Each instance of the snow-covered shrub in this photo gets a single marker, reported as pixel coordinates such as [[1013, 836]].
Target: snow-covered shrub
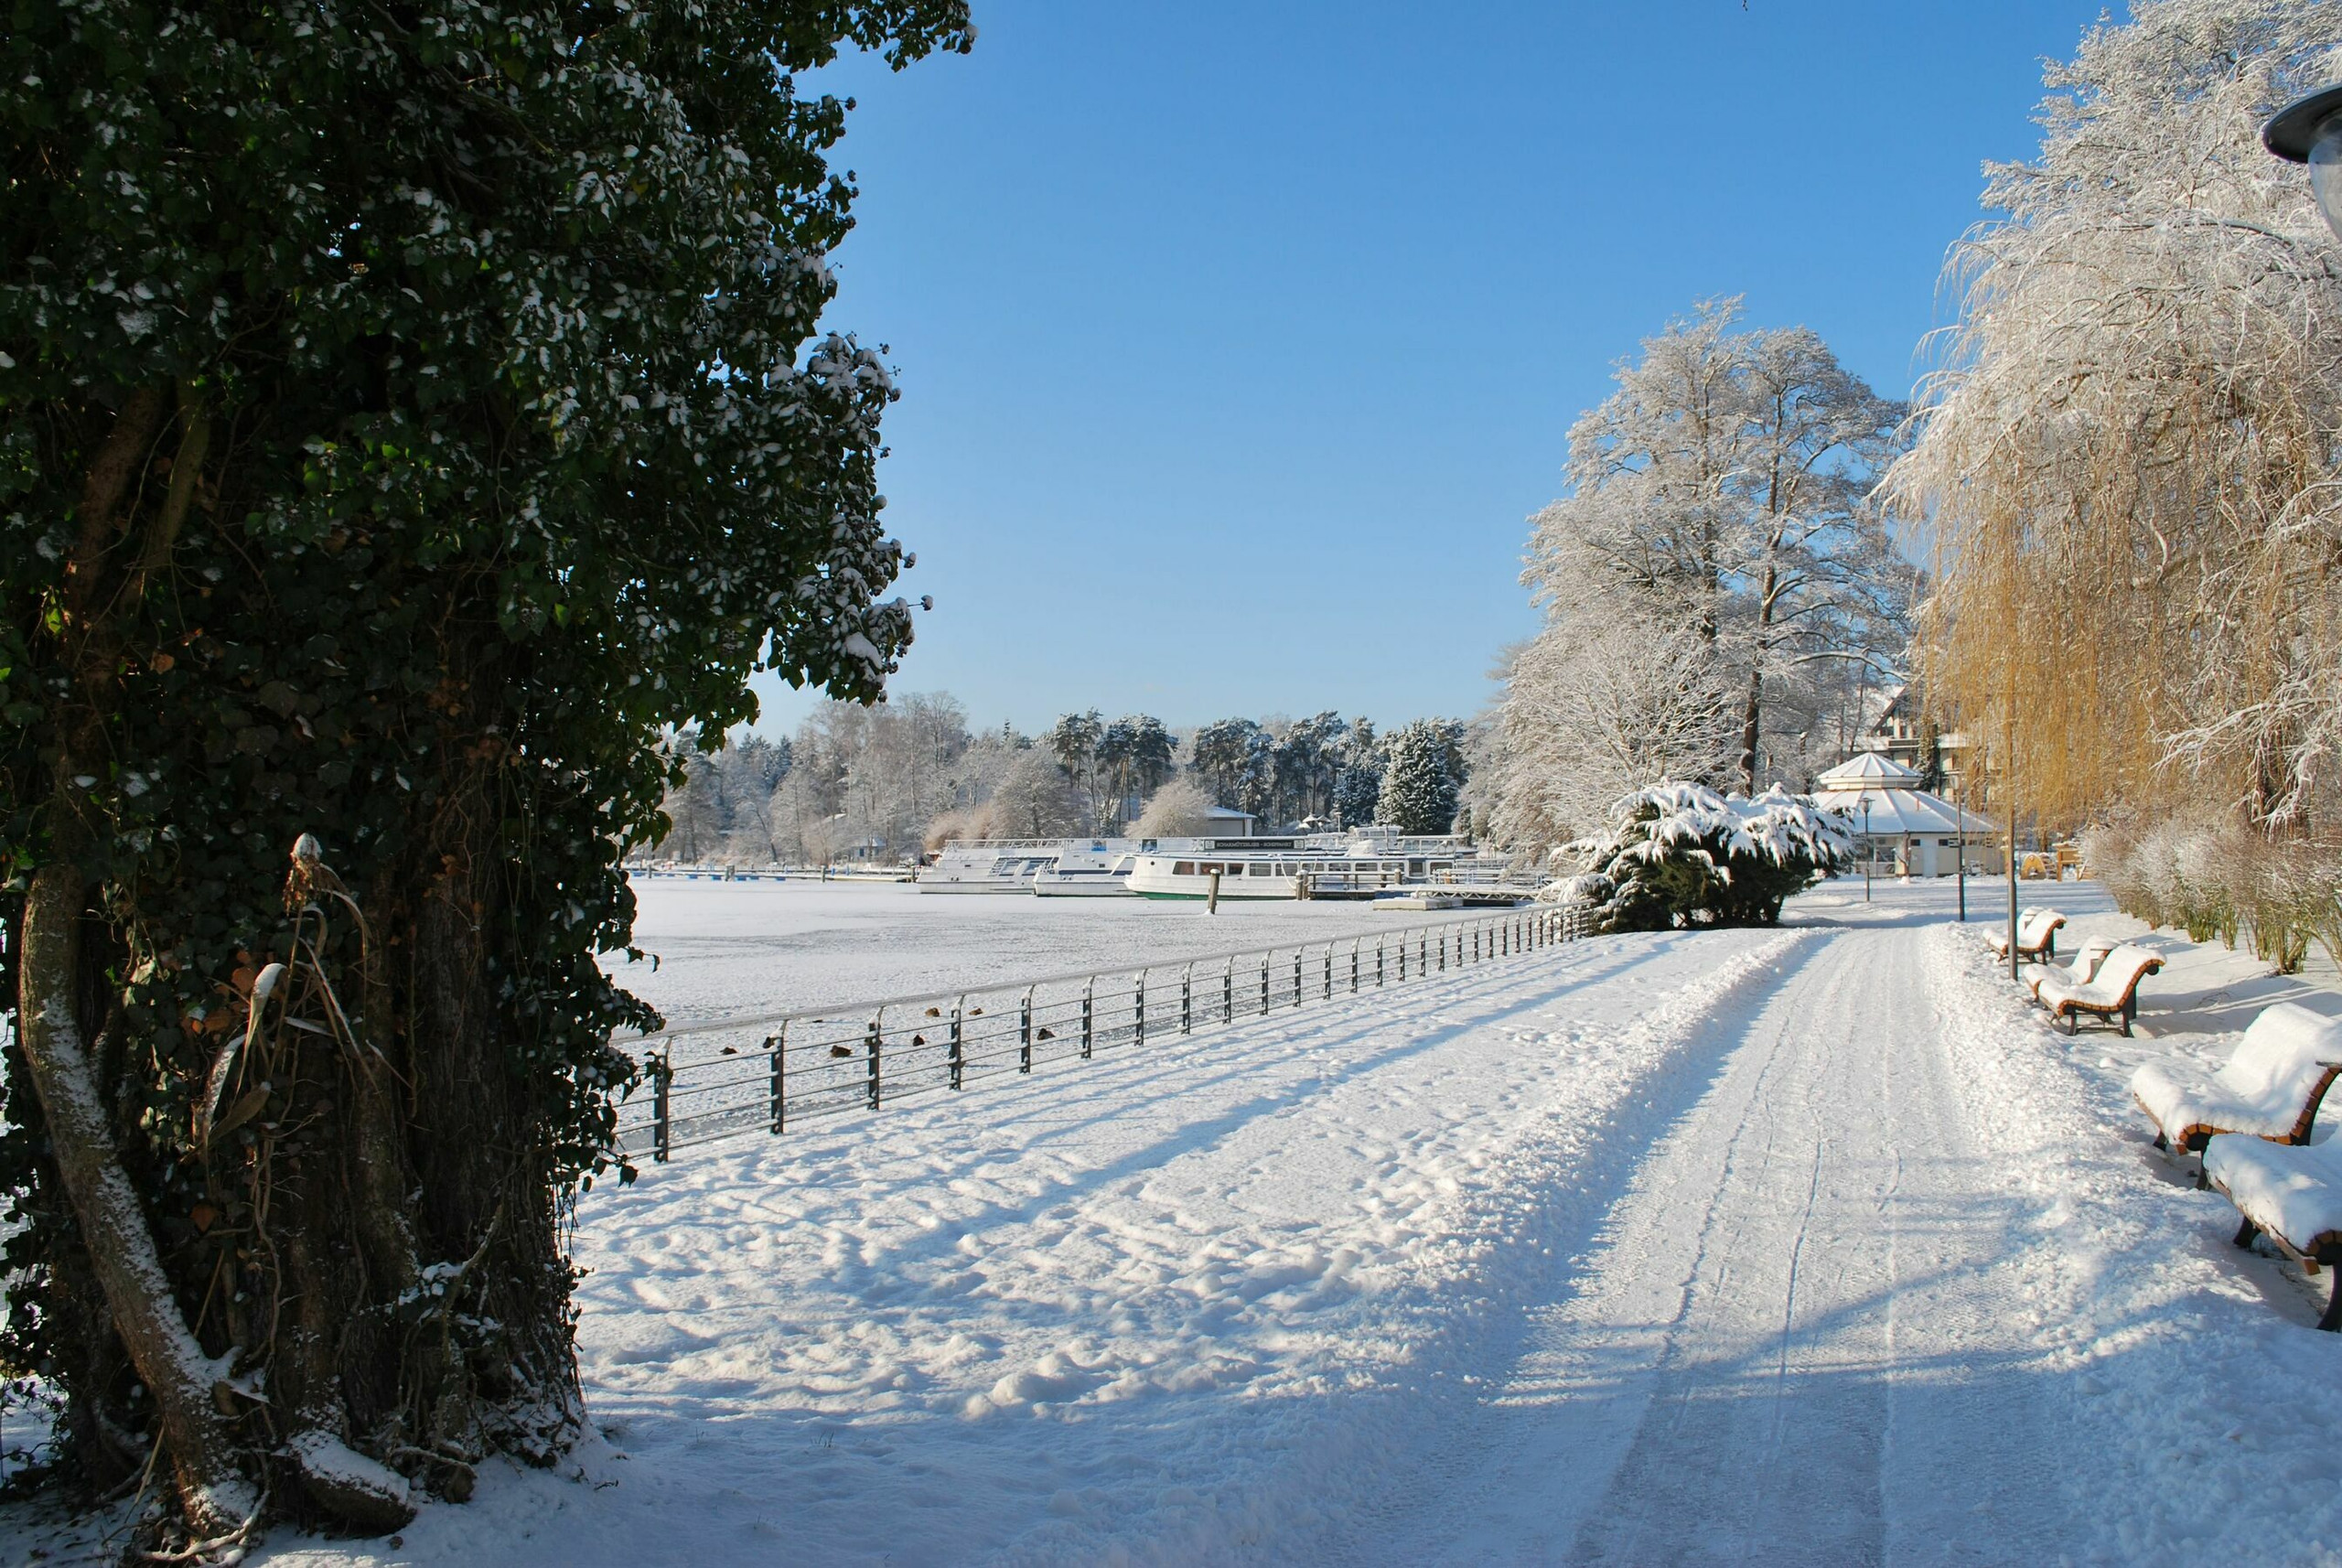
[[1682, 855], [2224, 879]]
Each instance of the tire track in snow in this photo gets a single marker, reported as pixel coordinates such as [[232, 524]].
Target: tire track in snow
[[1789, 1349], [1564, 1180]]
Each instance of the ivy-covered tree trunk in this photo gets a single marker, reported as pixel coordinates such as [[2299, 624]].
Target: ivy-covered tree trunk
[[403, 427]]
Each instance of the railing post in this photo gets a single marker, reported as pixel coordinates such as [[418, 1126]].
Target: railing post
[[1402, 961], [1297, 977], [871, 1039], [777, 1046], [958, 1008], [1085, 1018], [1264, 986], [1354, 969], [1329, 972], [1227, 993], [1187, 998], [1378, 963], [1025, 1032], [1138, 1019], [662, 1072]]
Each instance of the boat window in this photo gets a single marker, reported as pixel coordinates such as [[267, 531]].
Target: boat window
[[1185, 868], [1262, 868]]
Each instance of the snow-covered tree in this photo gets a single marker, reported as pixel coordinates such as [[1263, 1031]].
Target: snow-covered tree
[[1422, 777], [1178, 810], [1723, 490], [1235, 758], [1592, 709], [1306, 764], [1716, 580], [1682, 855], [2129, 458], [1135, 754], [1035, 800], [1358, 786]]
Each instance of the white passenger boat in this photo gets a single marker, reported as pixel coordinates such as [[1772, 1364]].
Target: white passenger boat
[[1321, 865], [1100, 868], [989, 865]]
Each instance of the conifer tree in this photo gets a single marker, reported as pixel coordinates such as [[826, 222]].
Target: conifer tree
[[1423, 777]]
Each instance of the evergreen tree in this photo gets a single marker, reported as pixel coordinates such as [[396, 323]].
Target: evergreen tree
[[1423, 776], [1233, 758]]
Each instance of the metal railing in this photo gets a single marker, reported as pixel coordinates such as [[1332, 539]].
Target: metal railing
[[770, 1074]]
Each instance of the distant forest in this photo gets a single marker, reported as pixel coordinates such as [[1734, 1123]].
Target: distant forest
[[886, 782]]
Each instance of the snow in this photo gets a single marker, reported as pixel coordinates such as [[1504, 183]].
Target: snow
[[729, 949], [2295, 1192], [1814, 1244], [2106, 987], [2285, 1057]]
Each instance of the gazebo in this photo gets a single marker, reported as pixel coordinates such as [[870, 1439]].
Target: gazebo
[[1922, 833]]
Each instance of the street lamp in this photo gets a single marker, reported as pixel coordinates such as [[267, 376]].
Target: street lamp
[[1868, 848], [2309, 131], [1960, 844]]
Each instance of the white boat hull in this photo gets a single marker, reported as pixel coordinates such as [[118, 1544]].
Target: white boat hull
[[1049, 886]]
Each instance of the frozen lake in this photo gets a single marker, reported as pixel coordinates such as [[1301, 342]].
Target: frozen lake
[[730, 949]]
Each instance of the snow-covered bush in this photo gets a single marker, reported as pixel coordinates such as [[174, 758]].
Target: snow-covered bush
[[1682, 855], [2224, 879]]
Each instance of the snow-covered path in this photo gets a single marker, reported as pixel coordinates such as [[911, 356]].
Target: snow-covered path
[[1798, 1324]]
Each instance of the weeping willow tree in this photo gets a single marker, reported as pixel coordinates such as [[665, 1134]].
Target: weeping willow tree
[[2129, 458]]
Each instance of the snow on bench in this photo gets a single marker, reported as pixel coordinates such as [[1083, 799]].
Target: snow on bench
[[2111, 993], [2271, 1088], [2037, 936], [2092, 955], [2292, 1193]]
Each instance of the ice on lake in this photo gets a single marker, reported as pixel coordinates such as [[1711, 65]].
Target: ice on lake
[[729, 949]]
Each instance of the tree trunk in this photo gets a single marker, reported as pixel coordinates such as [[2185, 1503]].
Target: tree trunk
[[120, 1245], [375, 1293], [1753, 711]]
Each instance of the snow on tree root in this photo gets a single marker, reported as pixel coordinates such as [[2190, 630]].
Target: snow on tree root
[[349, 1485]]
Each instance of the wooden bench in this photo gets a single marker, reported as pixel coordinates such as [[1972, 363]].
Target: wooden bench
[[2270, 1087], [2291, 1193], [2084, 967], [2037, 936], [2113, 994]]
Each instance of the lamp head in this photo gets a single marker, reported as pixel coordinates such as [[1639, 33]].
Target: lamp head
[[2309, 131]]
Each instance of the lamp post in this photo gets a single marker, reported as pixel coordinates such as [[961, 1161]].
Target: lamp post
[[1869, 849], [1959, 844], [2309, 131]]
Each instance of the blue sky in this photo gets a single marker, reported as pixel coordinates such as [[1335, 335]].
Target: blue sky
[[1239, 341]]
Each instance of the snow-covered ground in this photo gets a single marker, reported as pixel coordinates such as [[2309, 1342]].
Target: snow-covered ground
[[1809, 1245], [728, 950]]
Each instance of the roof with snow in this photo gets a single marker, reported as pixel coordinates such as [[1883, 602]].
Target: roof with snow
[[1870, 770], [1897, 806]]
